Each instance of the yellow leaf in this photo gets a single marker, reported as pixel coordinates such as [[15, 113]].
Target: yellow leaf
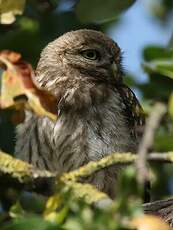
[[9, 9], [53, 203]]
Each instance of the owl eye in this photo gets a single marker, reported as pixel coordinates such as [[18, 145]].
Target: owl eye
[[91, 54]]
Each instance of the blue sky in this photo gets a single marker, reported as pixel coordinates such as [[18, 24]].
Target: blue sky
[[137, 29]]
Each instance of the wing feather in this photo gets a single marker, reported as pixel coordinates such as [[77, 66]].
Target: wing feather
[[133, 111]]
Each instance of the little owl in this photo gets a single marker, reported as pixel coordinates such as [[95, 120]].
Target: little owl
[[97, 113]]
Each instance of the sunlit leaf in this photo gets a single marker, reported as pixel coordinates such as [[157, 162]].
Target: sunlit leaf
[[9, 9], [100, 10], [16, 211], [149, 222], [158, 60], [164, 67]]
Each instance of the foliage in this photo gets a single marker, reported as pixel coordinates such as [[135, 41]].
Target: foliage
[[86, 10], [67, 208]]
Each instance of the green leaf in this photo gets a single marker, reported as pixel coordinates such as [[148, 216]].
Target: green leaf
[[163, 142], [156, 52], [30, 223], [158, 87], [100, 10], [170, 106]]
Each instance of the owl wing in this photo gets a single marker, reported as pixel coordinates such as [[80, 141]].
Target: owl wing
[[133, 111], [136, 121]]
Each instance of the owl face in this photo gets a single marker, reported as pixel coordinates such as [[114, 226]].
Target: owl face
[[78, 57], [92, 54]]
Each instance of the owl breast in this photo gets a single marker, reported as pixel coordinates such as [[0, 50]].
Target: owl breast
[[77, 138]]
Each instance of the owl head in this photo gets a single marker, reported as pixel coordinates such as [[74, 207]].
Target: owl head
[[78, 60]]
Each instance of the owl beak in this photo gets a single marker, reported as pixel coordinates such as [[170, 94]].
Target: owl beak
[[114, 69]]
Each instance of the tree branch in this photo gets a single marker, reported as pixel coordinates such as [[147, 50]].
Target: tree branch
[[23, 175], [27, 177]]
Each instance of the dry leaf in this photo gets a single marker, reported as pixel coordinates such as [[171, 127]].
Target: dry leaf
[[18, 89]]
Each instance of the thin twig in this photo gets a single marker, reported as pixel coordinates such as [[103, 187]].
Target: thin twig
[[152, 124]]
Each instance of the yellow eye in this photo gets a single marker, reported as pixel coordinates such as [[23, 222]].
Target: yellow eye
[[91, 54]]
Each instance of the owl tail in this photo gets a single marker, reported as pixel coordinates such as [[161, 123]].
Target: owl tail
[[161, 208]]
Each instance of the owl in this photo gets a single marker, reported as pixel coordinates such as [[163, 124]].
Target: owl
[[97, 113]]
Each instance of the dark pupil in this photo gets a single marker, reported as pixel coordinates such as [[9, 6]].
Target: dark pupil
[[91, 54]]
